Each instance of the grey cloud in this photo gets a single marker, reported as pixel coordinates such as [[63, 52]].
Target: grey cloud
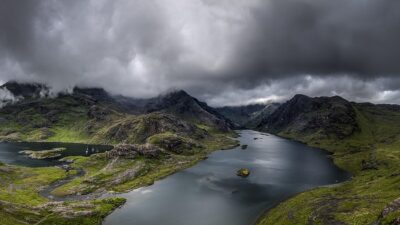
[[225, 52], [321, 37]]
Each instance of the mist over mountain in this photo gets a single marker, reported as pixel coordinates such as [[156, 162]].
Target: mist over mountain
[[239, 52]]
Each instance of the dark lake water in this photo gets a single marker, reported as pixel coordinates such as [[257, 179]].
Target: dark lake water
[[9, 152], [210, 193]]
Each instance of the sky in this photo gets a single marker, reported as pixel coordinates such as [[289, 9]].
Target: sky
[[225, 52]]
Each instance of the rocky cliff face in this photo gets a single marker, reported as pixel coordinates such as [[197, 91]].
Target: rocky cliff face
[[183, 105], [322, 116]]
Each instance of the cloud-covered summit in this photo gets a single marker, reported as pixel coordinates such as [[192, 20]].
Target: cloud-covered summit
[[222, 51]]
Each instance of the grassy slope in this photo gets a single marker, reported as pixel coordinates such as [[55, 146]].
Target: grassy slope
[[20, 202], [360, 200], [102, 173]]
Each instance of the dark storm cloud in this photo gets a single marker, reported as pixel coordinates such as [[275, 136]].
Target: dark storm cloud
[[292, 37], [224, 51]]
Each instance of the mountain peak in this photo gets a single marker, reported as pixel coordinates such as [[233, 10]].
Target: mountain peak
[[332, 116], [94, 92], [26, 90], [177, 94]]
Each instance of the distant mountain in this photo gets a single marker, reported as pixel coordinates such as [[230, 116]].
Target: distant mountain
[[322, 116], [93, 115], [26, 90], [181, 104], [248, 116]]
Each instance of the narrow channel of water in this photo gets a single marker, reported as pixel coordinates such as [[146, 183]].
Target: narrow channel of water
[[210, 193]]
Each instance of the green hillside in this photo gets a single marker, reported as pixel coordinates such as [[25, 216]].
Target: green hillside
[[162, 135], [371, 154]]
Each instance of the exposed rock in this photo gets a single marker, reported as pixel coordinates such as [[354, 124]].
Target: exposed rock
[[368, 165], [243, 172], [327, 116], [15, 136], [44, 133], [390, 208], [52, 116], [396, 221], [244, 147], [174, 143], [127, 175], [138, 129], [132, 151], [181, 104], [98, 113]]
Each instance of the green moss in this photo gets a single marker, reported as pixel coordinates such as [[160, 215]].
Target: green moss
[[99, 210], [21, 185]]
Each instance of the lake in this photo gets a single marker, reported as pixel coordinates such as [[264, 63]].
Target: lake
[[9, 152], [210, 193]]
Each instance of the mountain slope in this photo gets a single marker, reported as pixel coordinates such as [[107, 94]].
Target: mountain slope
[[364, 140], [152, 138], [183, 105], [320, 117], [92, 115]]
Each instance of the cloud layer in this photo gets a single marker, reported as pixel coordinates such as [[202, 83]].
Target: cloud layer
[[225, 52]]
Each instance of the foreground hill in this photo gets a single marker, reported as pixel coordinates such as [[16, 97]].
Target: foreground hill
[[152, 138], [91, 115], [363, 139]]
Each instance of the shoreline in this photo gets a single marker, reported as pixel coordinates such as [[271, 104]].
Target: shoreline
[[218, 142], [330, 153]]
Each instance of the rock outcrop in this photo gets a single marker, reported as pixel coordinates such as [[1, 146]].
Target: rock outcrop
[[132, 151]]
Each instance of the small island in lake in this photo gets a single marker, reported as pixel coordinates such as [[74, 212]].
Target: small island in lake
[[45, 154], [243, 172]]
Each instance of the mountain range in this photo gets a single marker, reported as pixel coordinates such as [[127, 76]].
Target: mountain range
[[93, 115], [364, 140]]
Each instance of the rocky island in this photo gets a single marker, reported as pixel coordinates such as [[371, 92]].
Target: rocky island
[[44, 154], [243, 172]]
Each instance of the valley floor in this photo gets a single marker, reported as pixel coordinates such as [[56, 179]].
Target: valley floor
[[21, 188]]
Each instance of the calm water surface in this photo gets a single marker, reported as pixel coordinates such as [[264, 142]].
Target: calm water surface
[[210, 193], [9, 152]]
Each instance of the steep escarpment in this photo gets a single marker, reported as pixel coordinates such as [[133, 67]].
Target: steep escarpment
[[322, 117]]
